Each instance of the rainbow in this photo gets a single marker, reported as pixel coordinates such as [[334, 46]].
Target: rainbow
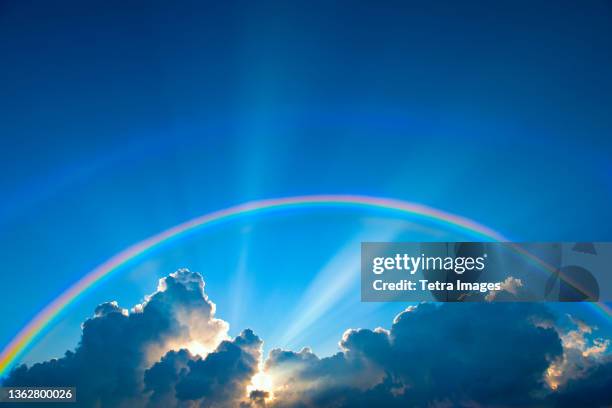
[[20, 343]]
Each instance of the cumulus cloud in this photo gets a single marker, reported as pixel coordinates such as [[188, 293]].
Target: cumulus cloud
[[589, 390], [470, 354], [510, 285], [116, 347], [220, 379], [171, 351], [582, 352], [452, 355]]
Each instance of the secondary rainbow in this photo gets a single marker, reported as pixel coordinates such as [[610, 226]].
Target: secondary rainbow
[[33, 329]]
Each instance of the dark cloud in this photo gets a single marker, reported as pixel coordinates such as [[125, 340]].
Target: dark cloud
[[464, 354], [161, 379], [116, 347], [257, 398], [219, 379], [593, 388], [222, 377], [448, 355]]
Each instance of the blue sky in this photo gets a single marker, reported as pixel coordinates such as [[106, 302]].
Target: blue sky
[[119, 123]]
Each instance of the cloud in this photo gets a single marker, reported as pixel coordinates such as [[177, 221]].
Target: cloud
[[510, 285], [592, 389], [116, 347], [484, 354], [171, 351], [219, 379], [582, 352], [449, 355]]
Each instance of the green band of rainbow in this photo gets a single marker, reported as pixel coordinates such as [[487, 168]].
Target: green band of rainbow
[[29, 333]]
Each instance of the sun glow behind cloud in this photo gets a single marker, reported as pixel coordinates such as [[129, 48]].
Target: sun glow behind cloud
[[197, 348], [261, 381]]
